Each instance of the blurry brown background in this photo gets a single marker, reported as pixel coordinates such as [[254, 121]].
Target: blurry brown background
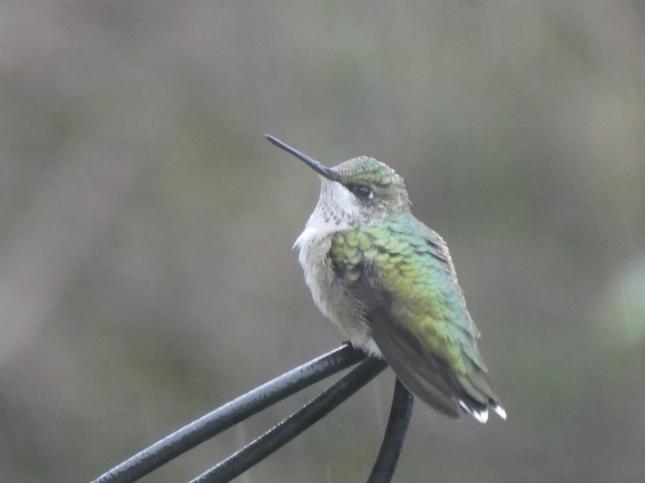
[[146, 274]]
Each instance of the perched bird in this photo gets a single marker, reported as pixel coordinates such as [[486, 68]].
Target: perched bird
[[388, 282]]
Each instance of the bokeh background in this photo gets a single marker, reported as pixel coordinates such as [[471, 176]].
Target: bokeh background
[[146, 274]]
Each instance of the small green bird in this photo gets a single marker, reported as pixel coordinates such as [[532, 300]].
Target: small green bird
[[388, 282]]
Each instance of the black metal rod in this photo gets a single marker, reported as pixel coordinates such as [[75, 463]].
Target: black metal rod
[[397, 428], [292, 426], [232, 413]]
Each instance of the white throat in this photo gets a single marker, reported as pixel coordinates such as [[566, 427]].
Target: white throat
[[337, 210]]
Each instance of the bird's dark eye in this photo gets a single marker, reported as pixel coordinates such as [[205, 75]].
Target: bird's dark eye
[[361, 191]]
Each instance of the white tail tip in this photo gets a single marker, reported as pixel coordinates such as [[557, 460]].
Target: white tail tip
[[481, 416], [501, 412]]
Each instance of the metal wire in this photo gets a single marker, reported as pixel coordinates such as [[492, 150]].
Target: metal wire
[[397, 428], [293, 425], [231, 413]]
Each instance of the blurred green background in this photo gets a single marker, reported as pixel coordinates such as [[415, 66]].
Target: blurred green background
[[146, 274]]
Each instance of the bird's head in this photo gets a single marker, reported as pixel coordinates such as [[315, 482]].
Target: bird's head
[[360, 191]]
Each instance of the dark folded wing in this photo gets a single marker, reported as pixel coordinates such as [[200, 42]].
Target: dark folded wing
[[405, 280], [407, 359]]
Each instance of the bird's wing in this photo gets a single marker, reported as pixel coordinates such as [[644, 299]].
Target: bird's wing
[[403, 276]]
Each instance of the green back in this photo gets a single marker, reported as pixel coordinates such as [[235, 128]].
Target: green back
[[402, 273]]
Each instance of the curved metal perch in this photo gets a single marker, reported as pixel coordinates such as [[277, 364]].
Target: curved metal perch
[[266, 395], [292, 426], [232, 413], [397, 428]]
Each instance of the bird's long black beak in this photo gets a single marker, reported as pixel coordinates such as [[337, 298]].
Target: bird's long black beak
[[317, 166]]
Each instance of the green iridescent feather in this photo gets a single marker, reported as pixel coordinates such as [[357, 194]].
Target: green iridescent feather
[[402, 274]]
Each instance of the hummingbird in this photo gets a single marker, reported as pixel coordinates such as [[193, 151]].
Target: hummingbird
[[388, 282]]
